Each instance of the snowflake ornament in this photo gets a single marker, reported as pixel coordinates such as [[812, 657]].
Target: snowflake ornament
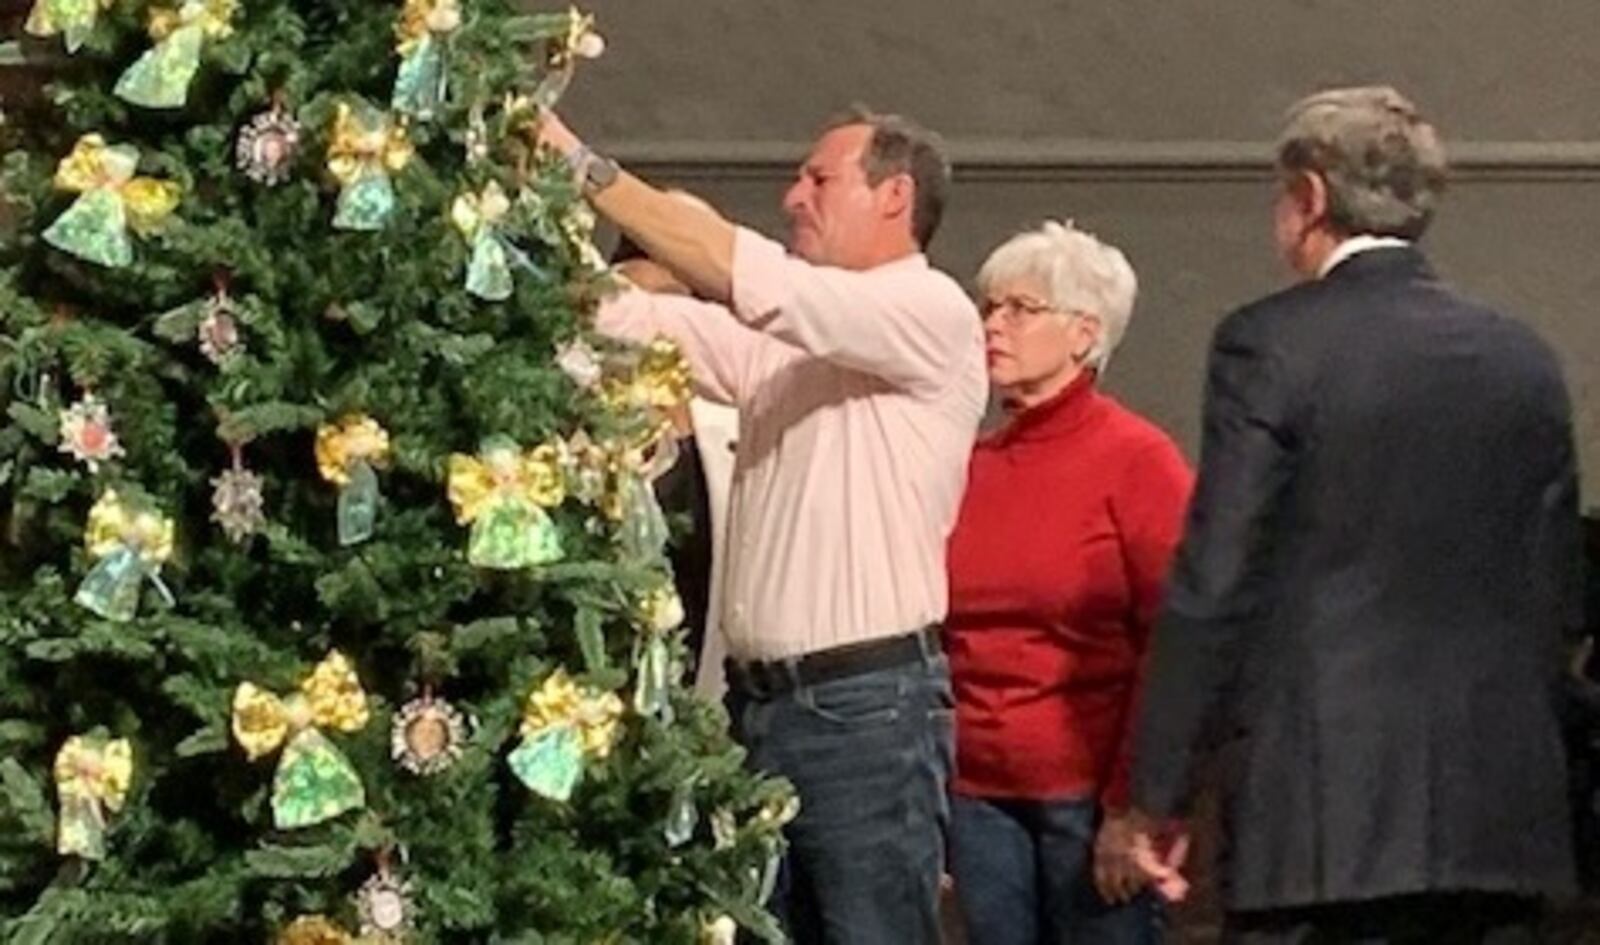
[[237, 503], [86, 433]]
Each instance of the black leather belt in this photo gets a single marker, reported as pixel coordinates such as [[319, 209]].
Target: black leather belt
[[767, 678]]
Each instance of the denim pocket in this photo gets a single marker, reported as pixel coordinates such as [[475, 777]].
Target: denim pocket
[[856, 703]]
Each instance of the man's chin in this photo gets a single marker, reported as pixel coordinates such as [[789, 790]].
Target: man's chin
[[803, 247]]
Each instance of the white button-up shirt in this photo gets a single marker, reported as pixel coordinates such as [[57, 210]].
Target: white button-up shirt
[[859, 395]]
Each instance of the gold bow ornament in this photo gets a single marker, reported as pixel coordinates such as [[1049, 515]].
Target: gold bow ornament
[[92, 776], [564, 726], [161, 77], [112, 200], [129, 543], [314, 781], [660, 611], [73, 20], [348, 455], [313, 930], [478, 216], [615, 476], [365, 148], [422, 37], [655, 376], [503, 493]]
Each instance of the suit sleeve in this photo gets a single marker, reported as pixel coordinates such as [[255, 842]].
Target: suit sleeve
[[1148, 505], [1247, 452], [1561, 507]]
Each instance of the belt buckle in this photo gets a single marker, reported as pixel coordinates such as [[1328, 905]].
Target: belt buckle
[[779, 676], [759, 677]]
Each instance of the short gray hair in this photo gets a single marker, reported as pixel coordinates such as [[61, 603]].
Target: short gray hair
[[901, 146], [1384, 165], [1079, 272]]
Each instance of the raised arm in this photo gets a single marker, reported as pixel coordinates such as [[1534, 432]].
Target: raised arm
[[905, 322], [718, 348], [862, 297], [688, 237]]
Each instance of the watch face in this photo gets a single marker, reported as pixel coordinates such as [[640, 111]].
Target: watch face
[[602, 172]]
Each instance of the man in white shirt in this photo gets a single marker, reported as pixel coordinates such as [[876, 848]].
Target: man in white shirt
[[858, 373]]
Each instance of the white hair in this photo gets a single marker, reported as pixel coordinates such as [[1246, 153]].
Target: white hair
[[1079, 273]]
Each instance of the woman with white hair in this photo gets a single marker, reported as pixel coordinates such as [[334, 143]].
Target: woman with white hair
[[1071, 514]]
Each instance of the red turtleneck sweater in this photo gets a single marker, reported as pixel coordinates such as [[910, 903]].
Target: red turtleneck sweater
[[1070, 518]]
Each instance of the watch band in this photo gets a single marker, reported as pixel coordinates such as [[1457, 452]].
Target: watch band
[[595, 172]]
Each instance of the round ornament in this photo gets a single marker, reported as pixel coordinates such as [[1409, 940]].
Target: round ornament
[[386, 907], [428, 736], [218, 331], [267, 146]]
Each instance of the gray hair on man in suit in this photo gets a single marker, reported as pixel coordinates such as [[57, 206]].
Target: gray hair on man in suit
[[1383, 163]]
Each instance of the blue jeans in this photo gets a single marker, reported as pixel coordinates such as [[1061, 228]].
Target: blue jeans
[[1024, 875], [870, 757]]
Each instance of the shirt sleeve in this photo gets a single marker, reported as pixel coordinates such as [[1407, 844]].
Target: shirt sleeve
[[1246, 458], [719, 349], [1148, 505], [909, 327]]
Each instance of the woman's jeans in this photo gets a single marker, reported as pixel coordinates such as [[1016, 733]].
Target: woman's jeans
[[1024, 875]]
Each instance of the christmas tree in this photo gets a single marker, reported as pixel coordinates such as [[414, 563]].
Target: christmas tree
[[333, 602]]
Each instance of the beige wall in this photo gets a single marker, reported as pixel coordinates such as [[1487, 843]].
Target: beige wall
[[1147, 121]]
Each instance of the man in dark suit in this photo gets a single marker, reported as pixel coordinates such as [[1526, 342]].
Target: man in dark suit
[[1380, 562]]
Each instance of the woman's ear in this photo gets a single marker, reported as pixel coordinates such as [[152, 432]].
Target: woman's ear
[[1086, 336]]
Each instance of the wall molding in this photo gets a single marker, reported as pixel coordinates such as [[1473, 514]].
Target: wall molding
[[989, 160]]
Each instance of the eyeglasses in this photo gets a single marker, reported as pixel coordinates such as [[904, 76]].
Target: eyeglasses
[[1014, 309]]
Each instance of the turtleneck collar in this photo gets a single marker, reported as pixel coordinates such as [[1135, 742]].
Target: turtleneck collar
[[1056, 417]]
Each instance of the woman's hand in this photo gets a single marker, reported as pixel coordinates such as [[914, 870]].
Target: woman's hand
[[1131, 853]]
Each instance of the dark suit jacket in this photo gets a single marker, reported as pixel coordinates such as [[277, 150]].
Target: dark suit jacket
[[1381, 557]]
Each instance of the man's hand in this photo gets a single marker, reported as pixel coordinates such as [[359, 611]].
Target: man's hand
[[555, 135], [1131, 852], [690, 239], [651, 276]]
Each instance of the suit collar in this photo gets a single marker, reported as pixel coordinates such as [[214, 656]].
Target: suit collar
[[1391, 261], [1360, 243]]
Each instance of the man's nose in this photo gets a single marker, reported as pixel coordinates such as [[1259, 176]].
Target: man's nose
[[795, 197]]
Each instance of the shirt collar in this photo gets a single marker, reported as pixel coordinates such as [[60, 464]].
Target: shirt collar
[[1358, 244], [908, 261]]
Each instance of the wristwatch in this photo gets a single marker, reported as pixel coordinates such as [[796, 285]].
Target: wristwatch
[[595, 172]]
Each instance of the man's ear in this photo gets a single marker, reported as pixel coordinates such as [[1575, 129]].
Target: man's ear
[[899, 195], [1310, 193]]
